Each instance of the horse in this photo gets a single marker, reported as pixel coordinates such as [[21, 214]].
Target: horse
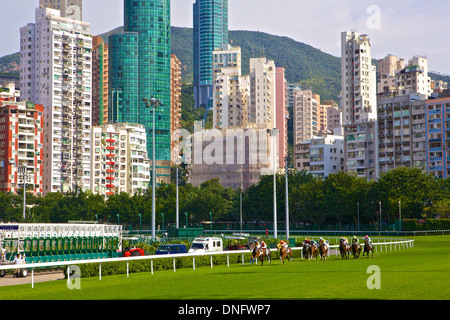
[[344, 248], [367, 248], [314, 251], [356, 249], [323, 250], [284, 253], [307, 250], [260, 254]]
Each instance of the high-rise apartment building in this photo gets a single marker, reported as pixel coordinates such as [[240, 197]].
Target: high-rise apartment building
[[262, 110], [56, 72], [437, 115], [282, 114], [175, 101], [401, 132], [140, 60], [395, 78], [231, 101], [210, 33], [334, 117], [359, 105], [100, 79], [305, 110], [21, 146], [120, 160], [320, 156], [72, 9], [358, 79], [231, 90]]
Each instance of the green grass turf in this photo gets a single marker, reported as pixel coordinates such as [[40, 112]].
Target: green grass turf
[[419, 273]]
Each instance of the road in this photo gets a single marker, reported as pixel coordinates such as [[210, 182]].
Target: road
[[43, 276]]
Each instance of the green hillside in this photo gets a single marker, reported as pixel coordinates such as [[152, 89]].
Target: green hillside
[[304, 64]]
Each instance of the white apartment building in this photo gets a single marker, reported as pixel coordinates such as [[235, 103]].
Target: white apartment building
[[56, 71], [120, 160], [305, 111], [231, 90], [227, 60], [231, 101], [262, 111], [321, 156], [359, 102], [9, 91], [359, 105], [397, 79]]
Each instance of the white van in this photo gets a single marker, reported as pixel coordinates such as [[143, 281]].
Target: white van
[[206, 244]]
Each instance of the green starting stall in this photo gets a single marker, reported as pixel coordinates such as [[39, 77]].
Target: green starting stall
[[60, 242]]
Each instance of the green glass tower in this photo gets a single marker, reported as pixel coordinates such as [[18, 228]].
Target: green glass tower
[[210, 33], [140, 69]]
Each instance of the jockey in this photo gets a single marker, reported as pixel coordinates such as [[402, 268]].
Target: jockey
[[345, 241], [369, 241], [355, 239], [263, 246], [284, 244], [323, 241]]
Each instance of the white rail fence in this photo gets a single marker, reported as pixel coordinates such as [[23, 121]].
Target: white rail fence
[[387, 246]]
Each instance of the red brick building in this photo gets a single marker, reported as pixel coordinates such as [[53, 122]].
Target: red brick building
[[21, 142]]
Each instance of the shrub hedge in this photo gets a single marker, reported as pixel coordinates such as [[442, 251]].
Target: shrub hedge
[[425, 224]]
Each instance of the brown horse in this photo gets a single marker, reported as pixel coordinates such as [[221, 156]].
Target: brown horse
[[367, 248], [314, 251], [307, 250], [356, 249], [260, 254], [323, 250], [344, 248], [285, 253]]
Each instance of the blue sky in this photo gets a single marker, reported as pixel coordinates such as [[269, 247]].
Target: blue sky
[[400, 27]]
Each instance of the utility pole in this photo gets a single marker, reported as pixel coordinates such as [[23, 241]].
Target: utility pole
[[286, 170], [177, 208]]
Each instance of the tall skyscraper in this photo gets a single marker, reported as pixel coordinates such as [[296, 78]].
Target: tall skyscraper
[[359, 105], [210, 33], [56, 72], [140, 69], [72, 9], [100, 76]]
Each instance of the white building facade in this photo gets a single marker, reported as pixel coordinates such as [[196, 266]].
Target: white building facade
[[262, 111], [120, 160], [359, 105], [56, 71], [321, 156]]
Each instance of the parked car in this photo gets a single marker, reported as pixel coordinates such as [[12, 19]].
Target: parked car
[[171, 249], [133, 252]]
